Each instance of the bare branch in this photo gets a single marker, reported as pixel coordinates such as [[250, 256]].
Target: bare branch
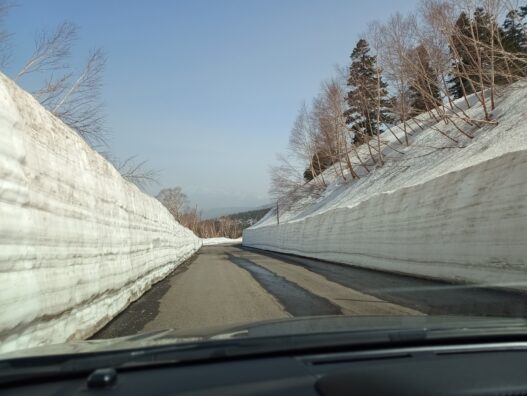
[[174, 200], [51, 50], [79, 104], [5, 36], [137, 172]]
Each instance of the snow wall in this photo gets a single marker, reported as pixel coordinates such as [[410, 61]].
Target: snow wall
[[467, 226], [78, 243]]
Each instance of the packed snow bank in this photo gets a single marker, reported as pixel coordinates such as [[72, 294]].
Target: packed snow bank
[[221, 241], [456, 214], [77, 242]]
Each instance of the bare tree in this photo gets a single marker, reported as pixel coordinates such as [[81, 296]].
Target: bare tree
[[319, 141], [51, 50], [224, 226], [305, 146], [74, 99], [174, 200], [438, 19], [191, 218], [79, 103], [398, 35], [441, 36], [5, 49], [481, 61], [286, 182], [52, 90], [332, 135], [333, 122], [137, 172], [418, 57]]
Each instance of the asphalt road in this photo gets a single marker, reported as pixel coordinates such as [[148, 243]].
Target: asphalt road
[[230, 284]]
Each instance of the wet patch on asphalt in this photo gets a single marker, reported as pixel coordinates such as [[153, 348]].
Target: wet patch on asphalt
[[296, 300], [428, 296]]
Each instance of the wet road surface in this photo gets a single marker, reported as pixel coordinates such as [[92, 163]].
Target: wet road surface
[[295, 299], [230, 284], [428, 296]]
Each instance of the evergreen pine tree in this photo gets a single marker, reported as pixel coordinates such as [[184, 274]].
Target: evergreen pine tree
[[515, 31], [424, 88], [483, 24], [491, 35], [460, 51], [367, 91], [515, 40]]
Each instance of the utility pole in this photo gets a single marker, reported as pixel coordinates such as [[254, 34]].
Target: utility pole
[[277, 214]]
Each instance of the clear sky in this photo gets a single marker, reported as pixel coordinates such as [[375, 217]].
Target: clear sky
[[206, 91]]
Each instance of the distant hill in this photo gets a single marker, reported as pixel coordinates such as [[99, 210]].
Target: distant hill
[[218, 212], [215, 213], [249, 217]]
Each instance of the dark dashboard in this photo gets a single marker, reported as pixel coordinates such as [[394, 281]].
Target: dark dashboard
[[489, 368]]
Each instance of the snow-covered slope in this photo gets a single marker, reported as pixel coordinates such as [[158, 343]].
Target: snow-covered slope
[[436, 211], [77, 242]]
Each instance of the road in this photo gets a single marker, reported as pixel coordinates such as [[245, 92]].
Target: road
[[230, 284]]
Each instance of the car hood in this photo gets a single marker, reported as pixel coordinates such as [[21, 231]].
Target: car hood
[[270, 328]]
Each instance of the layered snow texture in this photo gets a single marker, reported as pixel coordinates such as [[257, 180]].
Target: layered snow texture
[[436, 211], [78, 243], [221, 241]]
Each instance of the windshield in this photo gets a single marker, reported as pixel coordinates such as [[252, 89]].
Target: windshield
[[143, 202]]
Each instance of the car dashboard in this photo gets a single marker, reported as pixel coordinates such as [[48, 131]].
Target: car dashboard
[[489, 368]]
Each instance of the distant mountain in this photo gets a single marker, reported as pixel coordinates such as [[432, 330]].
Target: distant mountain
[[247, 216], [250, 217], [218, 212]]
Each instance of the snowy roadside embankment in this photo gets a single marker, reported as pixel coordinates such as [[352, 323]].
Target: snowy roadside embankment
[[456, 214], [221, 241], [77, 242]]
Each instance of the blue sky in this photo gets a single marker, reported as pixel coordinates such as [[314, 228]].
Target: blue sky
[[206, 91]]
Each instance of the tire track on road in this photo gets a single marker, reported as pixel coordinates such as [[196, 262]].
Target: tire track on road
[[295, 299], [431, 297], [349, 300]]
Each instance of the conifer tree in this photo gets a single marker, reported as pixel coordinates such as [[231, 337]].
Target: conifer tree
[[367, 98], [515, 31], [424, 85], [462, 61]]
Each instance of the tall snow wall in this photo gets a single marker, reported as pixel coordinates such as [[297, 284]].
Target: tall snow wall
[[78, 243], [466, 226]]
